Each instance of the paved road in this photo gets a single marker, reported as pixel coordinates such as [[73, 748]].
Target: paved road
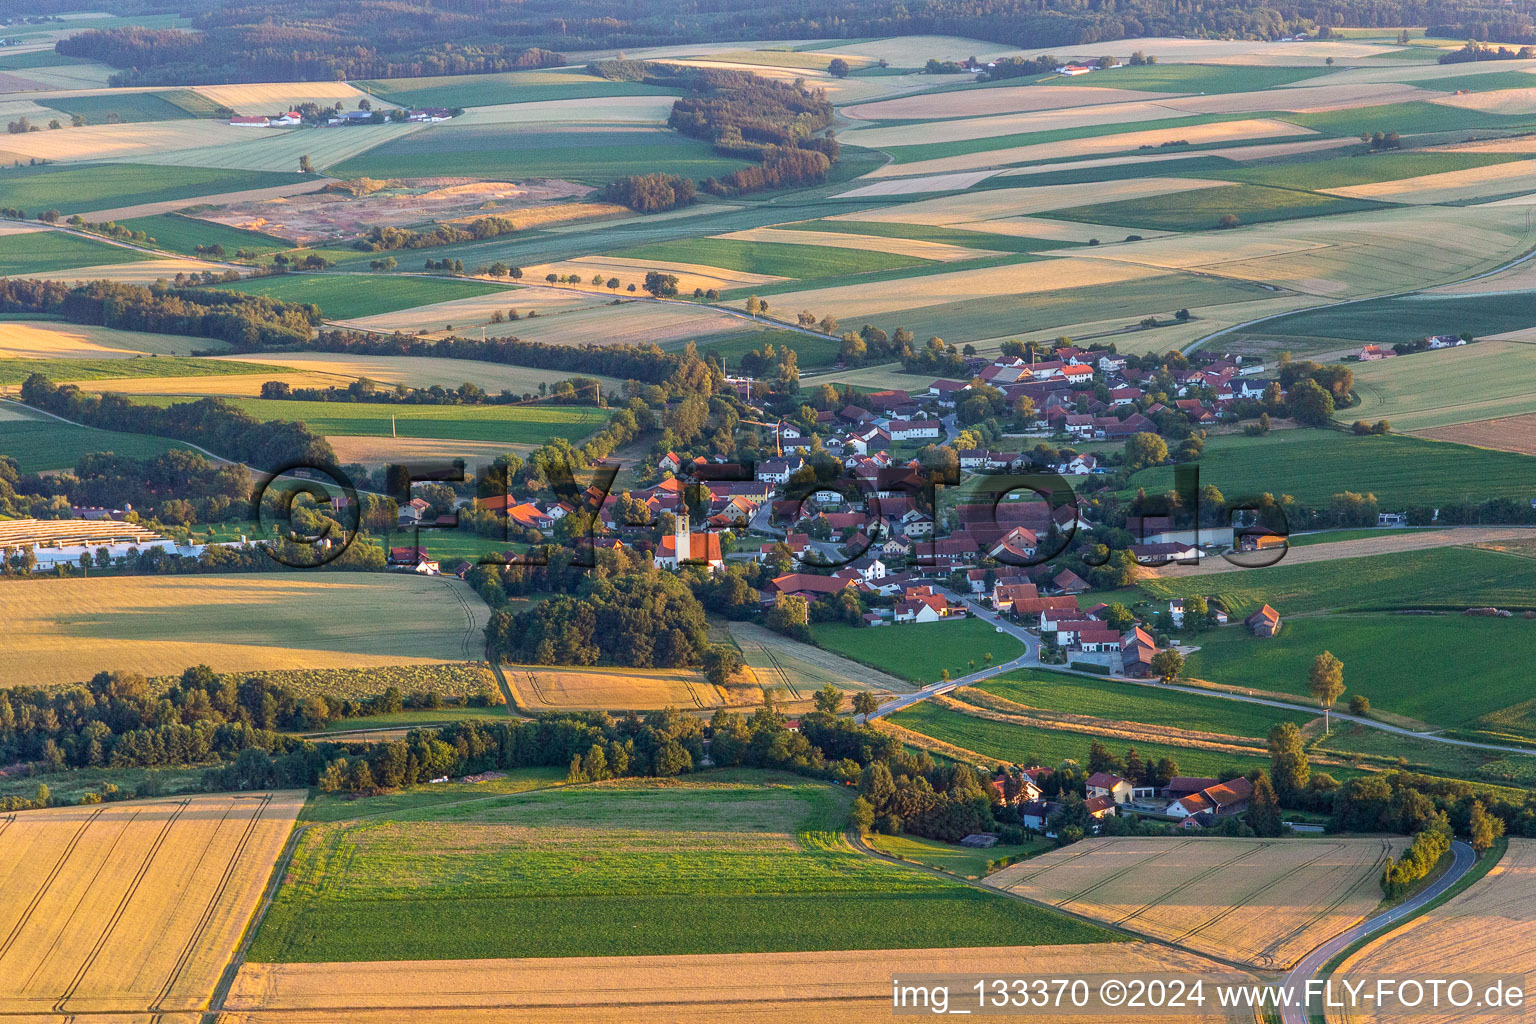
[[1313, 961]]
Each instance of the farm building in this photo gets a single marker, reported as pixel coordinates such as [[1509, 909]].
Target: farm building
[[1264, 623]]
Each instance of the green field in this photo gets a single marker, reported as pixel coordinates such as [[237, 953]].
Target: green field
[[1313, 465], [38, 443], [41, 252], [1024, 744], [38, 59], [722, 863], [957, 860], [1362, 169], [965, 147], [416, 719], [506, 87], [1439, 578], [184, 234], [14, 371], [773, 258], [919, 652], [1130, 702], [510, 424], [1447, 670], [1202, 209], [1444, 388], [128, 106], [810, 351], [1407, 316], [345, 806], [82, 189], [345, 296], [1305, 540], [1410, 118], [929, 233], [1208, 78], [591, 154]]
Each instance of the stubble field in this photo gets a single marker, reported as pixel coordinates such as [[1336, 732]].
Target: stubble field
[[135, 908], [1260, 902], [552, 688]]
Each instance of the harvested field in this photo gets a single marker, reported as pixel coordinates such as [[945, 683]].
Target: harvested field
[[122, 213], [913, 186], [67, 630], [800, 668], [235, 385], [1473, 183], [133, 908], [548, 688], [279, 149], [381, 451], [609, 109], [476, 310], [44, 339], [754, 988], [982, 102], [1507, 434], [668, 324], [914, 51], [1005, 204], [939, 251], [1300, 99], [1195, 135], [126, 141], [261, 98], [1488, 928], [1261, 902], [1502, 101], [417, 371], [140, 272], [633, 271], [875, 297], [1517, 144], [1015, 122]]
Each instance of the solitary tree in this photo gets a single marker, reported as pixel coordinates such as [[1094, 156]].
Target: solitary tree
[[305, 167], [1168, 664], [1483, 828], [865, 703], [828, 699], [1326, 682], [838, 68]]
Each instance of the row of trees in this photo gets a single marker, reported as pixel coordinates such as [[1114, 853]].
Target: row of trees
[[381, 239]]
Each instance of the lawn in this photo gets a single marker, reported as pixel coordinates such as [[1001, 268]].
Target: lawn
[[1407, 316], [1439, 578], [510, 424], [1313, 465], [40, 252], [128, 106], [590, 154], [957, 860], [507, 87], [919, 652], [1027, 745], [723, 863], [1447, 670], [345, 296], [1203, 209], [38, 443], [1130, 702], [773, 258], [184, 234], [100, 186], [14, 371]]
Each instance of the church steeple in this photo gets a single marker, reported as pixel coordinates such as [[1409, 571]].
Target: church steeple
[[682, 535]]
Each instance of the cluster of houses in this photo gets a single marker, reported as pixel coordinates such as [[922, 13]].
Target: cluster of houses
[[285, 120], [292, 118], [1187, 802]]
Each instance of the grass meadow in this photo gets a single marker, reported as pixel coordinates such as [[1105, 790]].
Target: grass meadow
[[511, 424], [14, 371], [1408, 316], [128, 106], [38, 443], [1446, 670], [810, 351], [957, 860], [929, 233], [723, 863], [1409, 118], [919, 652], [41, 252], [177, 233], [1314, 465], [1438, 578], [1206, 78], [1203, 209], [102, 186], [1024, 744], [1446, 388], [506, 87], [773, 258], [1130, 702], [1363, 169], [346, 296], [591, 154]]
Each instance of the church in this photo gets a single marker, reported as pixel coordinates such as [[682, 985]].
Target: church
[[701, 550]]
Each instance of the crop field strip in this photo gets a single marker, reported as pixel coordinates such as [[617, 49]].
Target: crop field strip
[[38, 442], [551, 688], [46, 251], [345, 296], [1265, 903], [141, 624], [78, 189], [142, 904]]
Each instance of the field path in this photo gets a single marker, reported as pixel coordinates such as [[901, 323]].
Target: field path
[[1313, 961], [1389, 543]]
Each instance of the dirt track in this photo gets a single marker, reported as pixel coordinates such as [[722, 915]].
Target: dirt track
[[1389, 544]]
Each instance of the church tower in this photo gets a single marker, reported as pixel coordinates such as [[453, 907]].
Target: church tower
[[682, 536]]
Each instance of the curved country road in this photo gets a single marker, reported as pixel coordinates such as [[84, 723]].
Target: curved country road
[[1313, 961]]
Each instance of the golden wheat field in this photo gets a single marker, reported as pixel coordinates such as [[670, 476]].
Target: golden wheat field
[[124, 141], [1262, 902], [1028, 119], [381, 451], [475, 311], [800, 669], [1488, 928], [45, 339], [549, 688], [230, 386], [1472, 183], [1195, 135], [1007, 204], [265, 97], [62, 631], [913, 186], [417, 371], [143, 272], [633, 271], [741, 988], [135, 907], [942, 252], [933, 289]]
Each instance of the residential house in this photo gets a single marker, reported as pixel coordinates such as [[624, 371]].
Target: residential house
[[1263, 623], [1113, 786], [1219, 801]]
